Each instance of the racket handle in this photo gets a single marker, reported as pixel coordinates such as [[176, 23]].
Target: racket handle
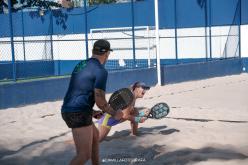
[[141, 113], [137, 119], [140, 119]]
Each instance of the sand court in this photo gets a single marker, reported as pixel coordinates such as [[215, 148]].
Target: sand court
[[207, 125]]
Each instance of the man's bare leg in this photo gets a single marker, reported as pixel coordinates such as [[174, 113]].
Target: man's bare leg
[[83, 138], [95, 146]]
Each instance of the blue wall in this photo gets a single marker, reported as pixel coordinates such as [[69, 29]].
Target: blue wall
[[18, 94], [245, 64], [244, 11], [23, 93], [27, 69], [196, 71], [65, 67], [6, 71], [223, 12], [189, 14]]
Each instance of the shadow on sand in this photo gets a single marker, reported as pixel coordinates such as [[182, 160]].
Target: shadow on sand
[[187, 155], [123, 149], [142, 131]]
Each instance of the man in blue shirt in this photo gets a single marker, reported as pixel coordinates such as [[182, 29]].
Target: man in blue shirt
[[87, 87]]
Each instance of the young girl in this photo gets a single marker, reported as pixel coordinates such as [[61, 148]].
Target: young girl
[[130, 113]]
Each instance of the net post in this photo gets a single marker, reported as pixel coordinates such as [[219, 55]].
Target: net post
[[157, 42]]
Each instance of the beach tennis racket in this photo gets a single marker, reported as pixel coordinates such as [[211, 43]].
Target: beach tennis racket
[[159, 111], [121, 99]]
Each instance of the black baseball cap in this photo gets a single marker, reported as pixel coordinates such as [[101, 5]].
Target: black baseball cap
[[140, 84], [101, 46]]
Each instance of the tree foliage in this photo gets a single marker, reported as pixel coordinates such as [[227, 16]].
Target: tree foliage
[[43, 4], [94, 2]]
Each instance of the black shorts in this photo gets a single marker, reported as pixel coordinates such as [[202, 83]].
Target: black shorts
[[77, 119]]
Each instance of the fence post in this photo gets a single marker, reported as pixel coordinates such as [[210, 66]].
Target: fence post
[[240, 14], [210, 28], [86, 30], [23, 39], [133, 34], [175, 13], [206, 26], [12, 41], [51, 33]]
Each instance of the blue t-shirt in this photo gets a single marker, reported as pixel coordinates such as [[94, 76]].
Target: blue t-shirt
[[86, 76]]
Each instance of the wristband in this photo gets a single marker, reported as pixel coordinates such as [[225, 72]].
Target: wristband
[[137, 119], [141, 114]]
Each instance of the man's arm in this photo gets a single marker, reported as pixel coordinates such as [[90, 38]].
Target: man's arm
[[102, 103], [134, 111], [127, 115]]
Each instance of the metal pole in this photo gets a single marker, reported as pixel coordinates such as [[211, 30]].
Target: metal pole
[[12, 41], [51, 32], [175, 13], [23, 39], [157, 42], [210, 28], [133, 34], [206, 33], [240, 28], [148, 48], [86, 30]]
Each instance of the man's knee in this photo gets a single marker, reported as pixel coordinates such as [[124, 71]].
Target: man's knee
[[84, 156], [100, 138], [96, 134]]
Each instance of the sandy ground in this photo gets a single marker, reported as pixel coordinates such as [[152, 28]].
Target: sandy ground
[[207, 125]]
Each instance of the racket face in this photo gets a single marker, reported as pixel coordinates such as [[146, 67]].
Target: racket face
[[121, 99], [159, 111]]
